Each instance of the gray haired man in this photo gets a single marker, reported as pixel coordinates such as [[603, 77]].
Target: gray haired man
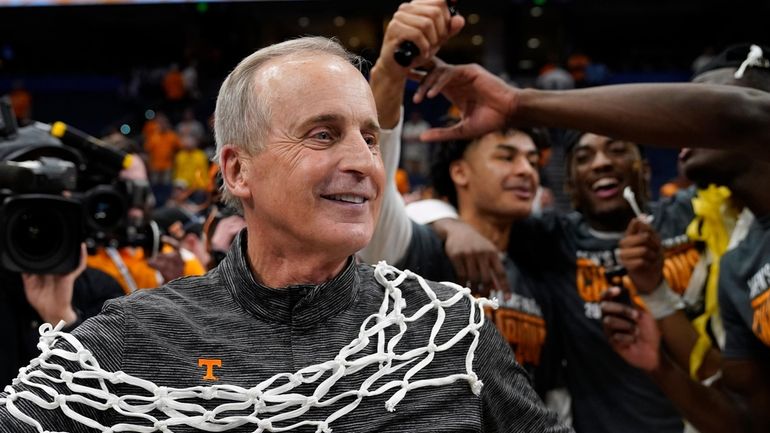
[[288, 332]]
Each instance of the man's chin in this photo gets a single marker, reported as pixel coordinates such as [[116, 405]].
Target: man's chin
[[614, 208]]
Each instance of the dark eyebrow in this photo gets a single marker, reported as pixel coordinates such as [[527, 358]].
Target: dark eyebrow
[[514, 149], [506, 146], [372, 125]]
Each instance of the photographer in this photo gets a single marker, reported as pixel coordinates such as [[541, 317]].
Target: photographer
[[27, 300]]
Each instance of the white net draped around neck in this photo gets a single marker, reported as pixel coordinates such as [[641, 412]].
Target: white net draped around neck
[[269, 402]]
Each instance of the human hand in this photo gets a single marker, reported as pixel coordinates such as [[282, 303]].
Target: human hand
[[426, 23], [476, 260], [641, 253], [485, 101], [632, 333], [51, 294], [225, 231], [170, 264]]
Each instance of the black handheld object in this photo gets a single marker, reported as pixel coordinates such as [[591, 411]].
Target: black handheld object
[[614, 277], [407, 51]]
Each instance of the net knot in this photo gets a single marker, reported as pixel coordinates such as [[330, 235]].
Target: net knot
[[67, 376], [207, 394], [85, 356]]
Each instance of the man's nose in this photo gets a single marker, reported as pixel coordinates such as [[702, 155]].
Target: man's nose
[[523, 167], [357, 156], [600, 161]]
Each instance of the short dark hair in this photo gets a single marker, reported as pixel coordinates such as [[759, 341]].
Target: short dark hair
[[447, 153], [569, 140]]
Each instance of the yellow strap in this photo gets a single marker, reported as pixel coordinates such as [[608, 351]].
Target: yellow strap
[[708, 226]]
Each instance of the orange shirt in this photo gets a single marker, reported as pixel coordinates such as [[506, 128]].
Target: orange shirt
[[173, 85], [21, 101], [161, 147], [144, 275]]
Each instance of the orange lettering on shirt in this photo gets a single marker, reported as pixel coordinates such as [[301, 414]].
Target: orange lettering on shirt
[[678, 265], [524, 332], [761, 323], [209, 364], [591, 282]]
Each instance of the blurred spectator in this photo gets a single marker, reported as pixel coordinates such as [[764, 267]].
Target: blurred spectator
[[161, 148], [190, 79], [190, 125], [191, 167], [577, 64], [416, 152], [173, 84], [130, 266], [21, 101], [554, 77]]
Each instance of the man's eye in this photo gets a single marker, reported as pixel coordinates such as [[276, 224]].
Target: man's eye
[[370, 140], [322, 135], [618, 148], [582, 157]]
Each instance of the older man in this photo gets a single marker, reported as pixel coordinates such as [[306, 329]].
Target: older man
[[288, 333]]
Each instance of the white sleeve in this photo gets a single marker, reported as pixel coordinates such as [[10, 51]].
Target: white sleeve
[[394, 229], [430, 210]]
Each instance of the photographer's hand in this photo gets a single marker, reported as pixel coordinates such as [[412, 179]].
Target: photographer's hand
[[225, 231], [51, 295], [169, 264]]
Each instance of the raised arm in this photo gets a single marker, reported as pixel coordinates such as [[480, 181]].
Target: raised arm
[[428, 24], [670, 115]]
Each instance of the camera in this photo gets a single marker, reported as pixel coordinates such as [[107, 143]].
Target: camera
[[59, 188]]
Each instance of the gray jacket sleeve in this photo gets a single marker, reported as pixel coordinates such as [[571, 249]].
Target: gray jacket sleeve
[[509, 402]]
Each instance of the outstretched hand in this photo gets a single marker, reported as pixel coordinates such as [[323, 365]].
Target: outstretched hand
[[486, 102], [632, 332], [51, 294]]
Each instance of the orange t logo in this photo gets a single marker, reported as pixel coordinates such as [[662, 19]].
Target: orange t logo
[[210, 364]]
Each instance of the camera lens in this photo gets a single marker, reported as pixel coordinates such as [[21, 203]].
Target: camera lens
[[105, 208], [36, 232], [42, 234]]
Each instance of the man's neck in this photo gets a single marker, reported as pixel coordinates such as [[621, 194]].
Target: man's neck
[[279, 264], [610, 222], [497, 230]]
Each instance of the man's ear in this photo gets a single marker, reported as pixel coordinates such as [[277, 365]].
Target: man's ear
[[458, 172], [234, 171]]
